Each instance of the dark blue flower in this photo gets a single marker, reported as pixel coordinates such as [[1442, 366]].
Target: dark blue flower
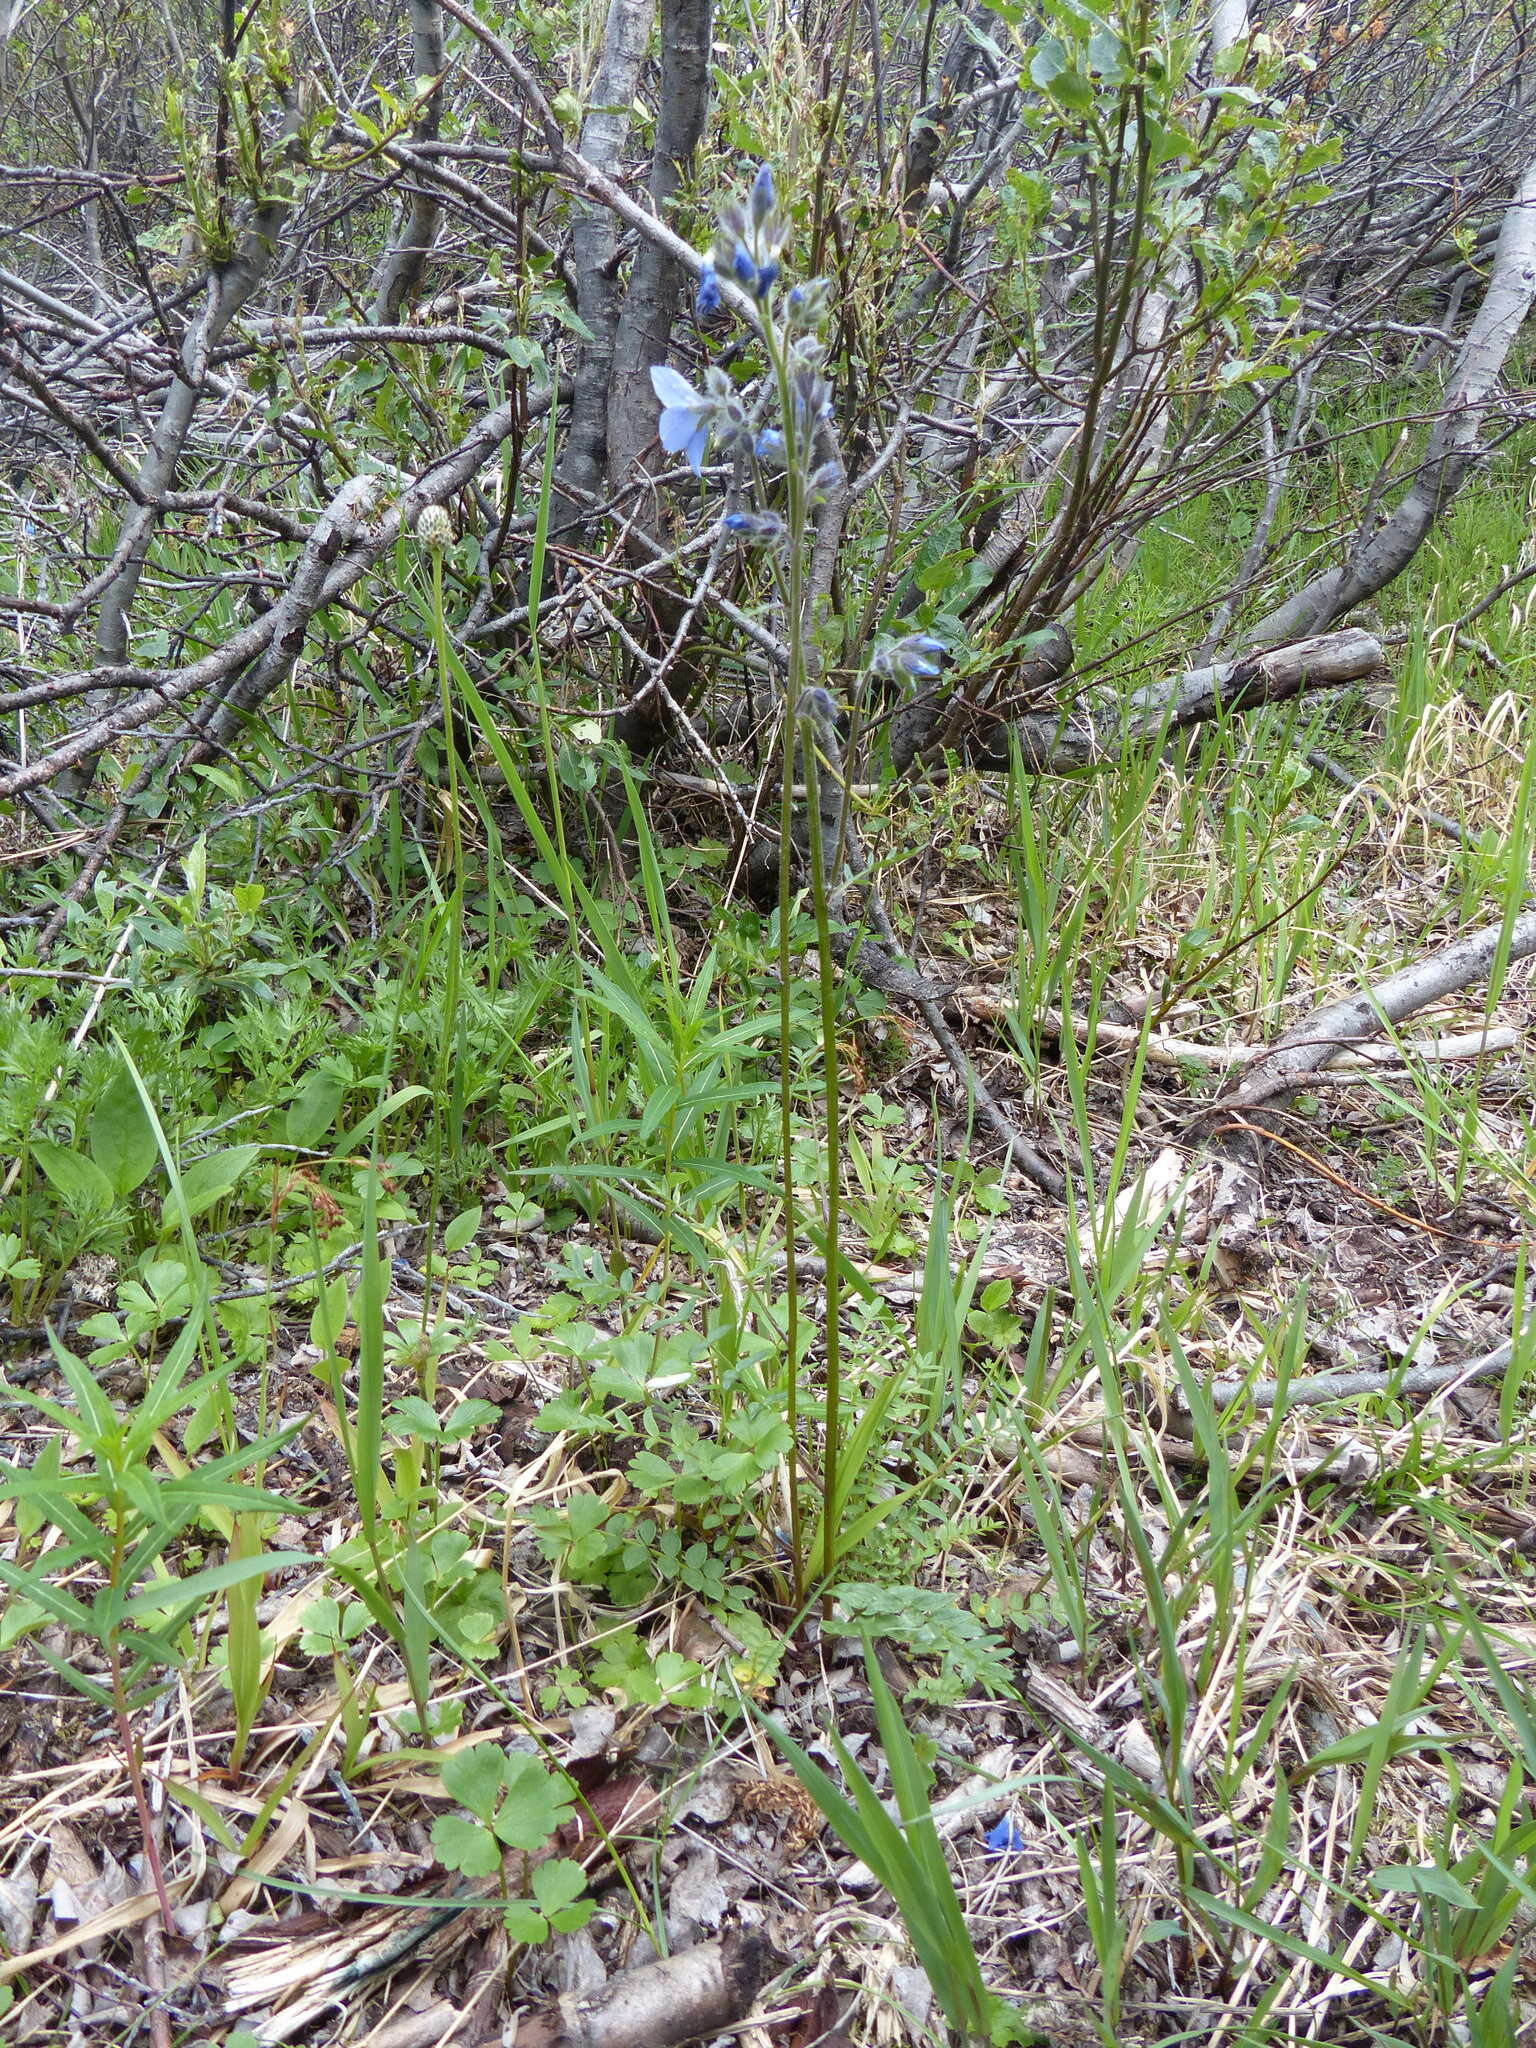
[[767, 274], [708, 299], [685, 415], [744, 269], [1006, 1839], [764, 199]]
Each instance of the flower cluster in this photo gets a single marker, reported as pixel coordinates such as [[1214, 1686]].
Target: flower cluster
[[749, 250], [752, 237], [750, 244]]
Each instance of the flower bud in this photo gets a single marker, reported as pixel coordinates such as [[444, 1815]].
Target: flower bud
[[764, 199], [755, 526], [808, 305]]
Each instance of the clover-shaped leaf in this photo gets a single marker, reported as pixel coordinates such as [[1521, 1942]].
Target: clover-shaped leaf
[[461, 1844], [538, 1803], [475, 1778]]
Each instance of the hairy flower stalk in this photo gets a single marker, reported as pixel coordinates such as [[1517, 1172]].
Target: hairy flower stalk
[[750, 248], [781, 461]]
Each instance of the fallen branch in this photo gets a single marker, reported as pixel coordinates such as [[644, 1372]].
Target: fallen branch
[[1164, 1050], [701, 1992], [1234, 1126], [1052, 743], [1320, 1387], [1270, 1081]]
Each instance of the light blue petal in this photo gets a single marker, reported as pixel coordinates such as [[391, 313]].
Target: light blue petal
[[671, 387], [678, 426]]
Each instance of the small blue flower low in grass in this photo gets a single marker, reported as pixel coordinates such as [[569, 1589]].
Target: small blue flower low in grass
[[1006, 1839]]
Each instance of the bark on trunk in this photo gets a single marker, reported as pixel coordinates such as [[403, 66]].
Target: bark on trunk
[[402, 269], [594, 250]]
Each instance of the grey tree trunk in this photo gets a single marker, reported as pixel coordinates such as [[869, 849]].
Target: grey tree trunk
[[403, 266], [594, 248], [650, 304]]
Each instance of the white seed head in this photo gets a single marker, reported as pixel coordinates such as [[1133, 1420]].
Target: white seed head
[[434, 529]]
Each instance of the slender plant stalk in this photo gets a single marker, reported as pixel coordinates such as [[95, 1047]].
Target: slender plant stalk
[[832, 1081], [794, 601]]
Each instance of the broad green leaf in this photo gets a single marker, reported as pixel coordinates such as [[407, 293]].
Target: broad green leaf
[[558, 1884], [475, 1777], [537, 1804], [79, 1180], [313, 1109], [1048, 63], [461, 1230], [464, 1845], [122, 1137], [1072, 90], [209, 1180]]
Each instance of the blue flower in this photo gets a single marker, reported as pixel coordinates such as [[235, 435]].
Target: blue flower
[[759, 526], [1006, 1839], [752, 237], [708, 299], [764, 199], [913, 656], [744, 268], [769, 448], [685, 415], [813, 397]]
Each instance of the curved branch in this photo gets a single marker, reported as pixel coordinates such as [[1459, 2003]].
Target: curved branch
[[1453, 450]]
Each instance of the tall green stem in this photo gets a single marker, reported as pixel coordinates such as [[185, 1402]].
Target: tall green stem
[[794, 601], [832, 1084]]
